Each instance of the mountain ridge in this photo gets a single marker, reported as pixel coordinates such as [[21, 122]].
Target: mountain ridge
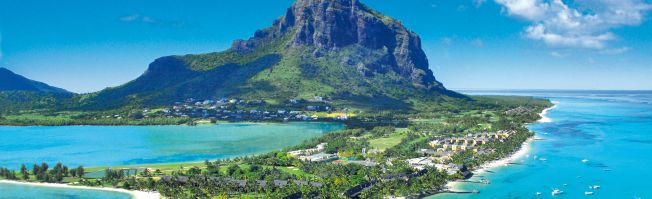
[[338, 49], [10, 81]]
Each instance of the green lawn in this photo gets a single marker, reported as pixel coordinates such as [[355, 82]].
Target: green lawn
[[169, 167], [165, 168], [388, 141]]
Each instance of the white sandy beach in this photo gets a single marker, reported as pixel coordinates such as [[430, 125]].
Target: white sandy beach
[[544, 118], [523, 151], [134, 194]]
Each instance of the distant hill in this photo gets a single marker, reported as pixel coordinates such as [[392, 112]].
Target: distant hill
[[10, 81], [339, 49], [20, 93]]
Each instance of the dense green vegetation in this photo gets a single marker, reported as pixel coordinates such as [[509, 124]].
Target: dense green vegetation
[[386, 147], [65, 118]]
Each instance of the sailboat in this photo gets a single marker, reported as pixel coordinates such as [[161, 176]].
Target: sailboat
[[557, 192]]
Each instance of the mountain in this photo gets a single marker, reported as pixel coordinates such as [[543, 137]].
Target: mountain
[[338, 49], [10, 81], [19, 93]]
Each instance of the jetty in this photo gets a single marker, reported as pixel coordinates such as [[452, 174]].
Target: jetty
[[462, 192]]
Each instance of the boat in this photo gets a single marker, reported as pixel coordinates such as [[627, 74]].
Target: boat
[[585, 160], [557, 192], [485, 181], [543, 159], [588, 193], [596, 186], [537, 193]]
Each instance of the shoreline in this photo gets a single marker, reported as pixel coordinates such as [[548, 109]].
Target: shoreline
[[523, 151], [185, 124], [134, 194], [544, 118], [504, 162]]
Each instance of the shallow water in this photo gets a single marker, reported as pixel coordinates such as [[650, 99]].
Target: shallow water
[[129, 145], [14, 191], [610, 129]]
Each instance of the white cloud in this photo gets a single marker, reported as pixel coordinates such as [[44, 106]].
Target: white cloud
[[528, 9], [477, 42], [589, 25], [615, 51], [461, 8], [447, 41], [136, 18], [130, 18], [557, 54], [478, 3]]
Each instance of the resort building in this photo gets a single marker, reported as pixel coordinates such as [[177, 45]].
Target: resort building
[[320, 147], [320, 157], [420, 163]]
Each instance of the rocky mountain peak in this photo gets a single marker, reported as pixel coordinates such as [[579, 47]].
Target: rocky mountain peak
[[330, 25]]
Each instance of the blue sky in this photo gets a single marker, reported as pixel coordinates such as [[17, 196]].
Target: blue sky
[[85, 46]]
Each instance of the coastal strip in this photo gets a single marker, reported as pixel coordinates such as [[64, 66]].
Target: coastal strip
[[134, 194], [544, 118], [523, 151]]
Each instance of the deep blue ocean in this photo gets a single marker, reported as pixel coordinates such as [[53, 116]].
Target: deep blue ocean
[[601, 138]]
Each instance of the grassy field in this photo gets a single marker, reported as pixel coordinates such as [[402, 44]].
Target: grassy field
[[389, 141], [167, 168]]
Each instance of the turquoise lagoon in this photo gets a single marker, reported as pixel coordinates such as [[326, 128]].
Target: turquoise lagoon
[[13, 191], [610, 130], [131, 145]]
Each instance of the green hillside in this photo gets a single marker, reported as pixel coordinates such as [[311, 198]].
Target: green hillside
[[306, 53]]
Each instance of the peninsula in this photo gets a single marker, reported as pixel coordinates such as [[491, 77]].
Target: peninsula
[[335, 61]]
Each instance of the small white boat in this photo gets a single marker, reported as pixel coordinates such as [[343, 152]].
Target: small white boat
[[588, 193], [596, 186], [543, 159], [585, 161], [557, 192], [537, 193]]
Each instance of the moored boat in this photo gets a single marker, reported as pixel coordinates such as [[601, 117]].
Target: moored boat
[[557, 192]]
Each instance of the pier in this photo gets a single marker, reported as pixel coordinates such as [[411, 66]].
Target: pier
[[463, 192]]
